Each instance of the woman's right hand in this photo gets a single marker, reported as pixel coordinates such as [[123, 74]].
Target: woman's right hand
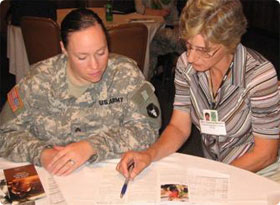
[[140, 159]]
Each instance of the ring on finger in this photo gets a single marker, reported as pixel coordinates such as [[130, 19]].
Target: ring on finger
[[72, 162]]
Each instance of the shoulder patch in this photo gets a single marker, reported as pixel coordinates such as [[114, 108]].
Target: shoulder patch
[[146, 101], [143, 94], [14, 99], [152, 110]]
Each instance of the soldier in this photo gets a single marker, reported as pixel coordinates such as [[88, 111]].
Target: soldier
[[84, 105]]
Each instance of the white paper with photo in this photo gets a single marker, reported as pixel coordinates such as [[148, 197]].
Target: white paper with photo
[[175, 177]]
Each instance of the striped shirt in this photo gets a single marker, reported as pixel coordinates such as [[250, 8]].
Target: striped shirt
[[248, 103]]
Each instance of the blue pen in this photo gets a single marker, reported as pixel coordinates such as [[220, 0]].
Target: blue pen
[[130, 167]]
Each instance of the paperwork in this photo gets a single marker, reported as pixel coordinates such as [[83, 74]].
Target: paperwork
[[152, 186]]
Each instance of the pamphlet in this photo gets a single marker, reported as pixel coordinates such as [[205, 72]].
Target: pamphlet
[[23, 184], [142, 20]]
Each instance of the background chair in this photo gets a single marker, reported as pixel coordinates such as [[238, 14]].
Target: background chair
[[41, 38], [130, 40]]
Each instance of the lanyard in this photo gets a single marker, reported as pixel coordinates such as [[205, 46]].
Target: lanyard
[[213, 101]]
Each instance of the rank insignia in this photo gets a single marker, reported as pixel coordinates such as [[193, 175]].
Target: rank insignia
[[14, 99]]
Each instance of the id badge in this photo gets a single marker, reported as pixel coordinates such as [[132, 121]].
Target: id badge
[[211, 124]]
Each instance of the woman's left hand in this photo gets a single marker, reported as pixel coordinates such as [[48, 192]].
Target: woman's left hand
[[69, 158]]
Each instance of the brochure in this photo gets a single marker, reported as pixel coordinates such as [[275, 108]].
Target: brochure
[[23, 184]]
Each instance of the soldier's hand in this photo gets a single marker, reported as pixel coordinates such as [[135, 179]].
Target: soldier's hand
[[141, 161], [46, 157], [70, 157]]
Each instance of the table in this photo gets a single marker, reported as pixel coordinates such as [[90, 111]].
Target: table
[[16, 52], [101, 183]]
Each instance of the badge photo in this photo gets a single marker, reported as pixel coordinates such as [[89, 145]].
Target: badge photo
[[210, 115]]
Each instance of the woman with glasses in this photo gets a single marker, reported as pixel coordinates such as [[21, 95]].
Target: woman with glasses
[[220, 76]]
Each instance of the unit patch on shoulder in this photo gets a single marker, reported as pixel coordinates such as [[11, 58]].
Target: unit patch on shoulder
[[152, 110], [14, 99]]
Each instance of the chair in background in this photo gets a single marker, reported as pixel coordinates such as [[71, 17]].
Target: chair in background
[[130, 40], [41, 38]]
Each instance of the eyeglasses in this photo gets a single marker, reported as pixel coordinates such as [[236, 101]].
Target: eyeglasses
[[201, 52]]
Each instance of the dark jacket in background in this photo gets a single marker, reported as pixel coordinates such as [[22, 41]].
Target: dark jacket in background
[[123, 6], [39, 8]]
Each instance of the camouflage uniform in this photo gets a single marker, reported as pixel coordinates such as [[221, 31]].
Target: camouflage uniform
[[117, 114]]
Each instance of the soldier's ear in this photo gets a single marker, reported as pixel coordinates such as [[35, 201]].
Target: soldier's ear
[[64, 51]]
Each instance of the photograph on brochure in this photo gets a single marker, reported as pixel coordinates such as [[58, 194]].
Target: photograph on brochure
[[174, 192]]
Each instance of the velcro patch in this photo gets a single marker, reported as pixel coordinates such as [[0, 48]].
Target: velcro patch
[[14, 99], [143, 94]]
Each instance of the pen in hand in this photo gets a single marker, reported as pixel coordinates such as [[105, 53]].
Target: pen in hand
[[130, 167]]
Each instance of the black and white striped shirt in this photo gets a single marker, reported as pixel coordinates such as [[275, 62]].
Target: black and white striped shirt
[[248, 103]]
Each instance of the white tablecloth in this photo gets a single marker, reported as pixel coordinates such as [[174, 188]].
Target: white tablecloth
[[101, 183], [18, 61]]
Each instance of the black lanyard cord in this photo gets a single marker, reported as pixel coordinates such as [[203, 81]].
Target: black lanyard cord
[[213, 103]]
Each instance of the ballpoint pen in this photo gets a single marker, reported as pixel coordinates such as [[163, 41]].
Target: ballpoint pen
[[130, 167]]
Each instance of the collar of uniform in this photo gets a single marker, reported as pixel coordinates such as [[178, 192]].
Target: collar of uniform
[[106, 78], [99, 89], [60, 86]]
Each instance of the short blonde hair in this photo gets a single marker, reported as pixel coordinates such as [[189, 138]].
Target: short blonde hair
[[218, 21]]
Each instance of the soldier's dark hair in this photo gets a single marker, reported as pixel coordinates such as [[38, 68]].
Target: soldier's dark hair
[[78, 20]]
